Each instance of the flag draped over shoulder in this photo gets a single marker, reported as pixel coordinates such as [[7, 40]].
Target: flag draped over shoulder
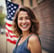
[[11, 9]]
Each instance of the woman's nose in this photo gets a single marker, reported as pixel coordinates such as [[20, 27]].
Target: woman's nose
[[24, 21]]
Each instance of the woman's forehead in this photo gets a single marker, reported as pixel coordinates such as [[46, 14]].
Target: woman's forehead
[[23, 13]]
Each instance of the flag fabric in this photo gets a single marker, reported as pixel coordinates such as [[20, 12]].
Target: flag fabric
[[11, 10]]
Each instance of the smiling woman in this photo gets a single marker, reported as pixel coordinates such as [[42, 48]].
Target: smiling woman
[[26, 26]]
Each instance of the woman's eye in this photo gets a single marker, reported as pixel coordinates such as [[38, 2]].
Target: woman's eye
[[27, 17], [20, 18]]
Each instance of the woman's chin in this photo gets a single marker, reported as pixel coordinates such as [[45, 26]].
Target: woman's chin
[[24, 30]]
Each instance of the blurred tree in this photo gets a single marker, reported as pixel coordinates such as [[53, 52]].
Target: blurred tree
[[2, 16]]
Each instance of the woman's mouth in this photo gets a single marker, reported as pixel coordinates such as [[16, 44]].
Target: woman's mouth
[[24, 26]]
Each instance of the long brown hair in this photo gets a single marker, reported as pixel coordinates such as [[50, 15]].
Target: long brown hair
[[34, 22]]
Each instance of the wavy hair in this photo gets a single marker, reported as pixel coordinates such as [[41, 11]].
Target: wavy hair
[[34, 22]]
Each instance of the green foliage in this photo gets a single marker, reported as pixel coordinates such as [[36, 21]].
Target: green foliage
[[2, 16]]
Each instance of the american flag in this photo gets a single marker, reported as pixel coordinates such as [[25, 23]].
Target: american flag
[[11, 9]]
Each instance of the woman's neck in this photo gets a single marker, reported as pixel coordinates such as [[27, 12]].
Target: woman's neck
[[25, 34]]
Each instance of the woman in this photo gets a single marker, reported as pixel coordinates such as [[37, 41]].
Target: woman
[[26, 27]]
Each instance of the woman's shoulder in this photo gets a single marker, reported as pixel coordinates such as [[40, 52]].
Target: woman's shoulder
[[33, 38], [34, 44]]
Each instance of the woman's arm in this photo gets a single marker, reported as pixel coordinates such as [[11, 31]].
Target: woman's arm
[[34, 44]]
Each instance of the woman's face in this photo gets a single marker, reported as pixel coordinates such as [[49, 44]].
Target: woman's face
[[24, 22]]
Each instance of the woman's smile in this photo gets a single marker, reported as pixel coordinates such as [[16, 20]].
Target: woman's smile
[[24, 26]]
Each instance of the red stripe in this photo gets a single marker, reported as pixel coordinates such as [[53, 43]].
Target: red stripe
[[14, 42], [6, 34], [8, 24], [11, 36], [9, 30]]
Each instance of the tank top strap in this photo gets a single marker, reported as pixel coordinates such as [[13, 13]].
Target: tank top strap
[[29, 37], [18, 41], [35, 35], [39, 38]]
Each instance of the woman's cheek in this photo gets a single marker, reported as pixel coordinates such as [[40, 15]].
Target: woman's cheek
[[19, 22]]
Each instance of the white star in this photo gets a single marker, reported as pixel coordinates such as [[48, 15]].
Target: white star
[[12, 18], [8, 16], [7, 2], [15, 7], [11, 8], [13, 11], [11, 4]]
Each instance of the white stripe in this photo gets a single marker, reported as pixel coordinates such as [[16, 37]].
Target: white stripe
[[6, 31], [14, 38], [12, 34], [10, 28], [9, 22]]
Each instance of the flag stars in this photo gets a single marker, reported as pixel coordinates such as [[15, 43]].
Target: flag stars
[[11, 9]]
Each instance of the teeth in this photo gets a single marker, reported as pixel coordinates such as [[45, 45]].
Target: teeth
[[24, 25]]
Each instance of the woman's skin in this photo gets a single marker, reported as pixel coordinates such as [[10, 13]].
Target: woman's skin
[[24, 24]]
